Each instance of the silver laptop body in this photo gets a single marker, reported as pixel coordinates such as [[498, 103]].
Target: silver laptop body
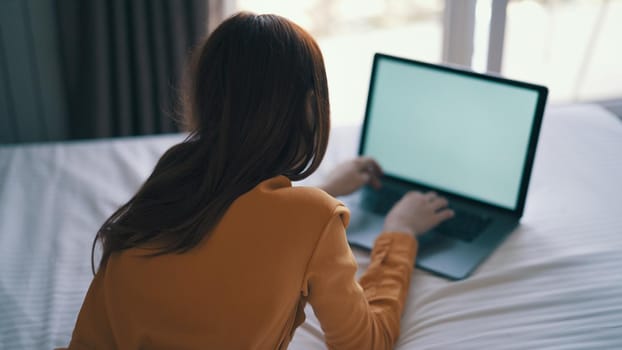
[[470, 137]]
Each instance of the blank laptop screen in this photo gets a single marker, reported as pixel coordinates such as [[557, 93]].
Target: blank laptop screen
[[457, 133]]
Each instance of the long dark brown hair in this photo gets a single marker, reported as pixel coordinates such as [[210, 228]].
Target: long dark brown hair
[[256, 106]]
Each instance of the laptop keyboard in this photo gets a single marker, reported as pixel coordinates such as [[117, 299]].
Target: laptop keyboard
[[465, 226], [380, 201]]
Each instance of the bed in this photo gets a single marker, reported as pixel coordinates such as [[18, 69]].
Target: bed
[[555, 283]]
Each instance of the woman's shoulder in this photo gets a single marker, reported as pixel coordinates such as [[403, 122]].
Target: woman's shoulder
[[278, 192]]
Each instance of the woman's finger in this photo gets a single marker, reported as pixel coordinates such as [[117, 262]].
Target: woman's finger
[[374, 175], [444, 215], [371, 167], [439, 203], [430, 196], [365, 177], [375, 166], [375, 181], [369, 177], [369, 163]]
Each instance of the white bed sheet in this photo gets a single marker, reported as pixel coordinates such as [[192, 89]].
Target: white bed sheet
[[555, 283]]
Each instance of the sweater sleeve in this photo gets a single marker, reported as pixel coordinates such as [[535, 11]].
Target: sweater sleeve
[[363, 315]]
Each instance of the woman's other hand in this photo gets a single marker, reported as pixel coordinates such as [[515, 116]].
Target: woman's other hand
[[349, 176], [417, 213]]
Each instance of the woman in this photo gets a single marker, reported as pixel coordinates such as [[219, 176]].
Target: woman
[[217, 250]]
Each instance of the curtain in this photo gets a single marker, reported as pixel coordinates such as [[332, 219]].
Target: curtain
[[122, 61]]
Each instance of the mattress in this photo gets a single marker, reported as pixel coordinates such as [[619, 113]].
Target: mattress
[[555, 283]]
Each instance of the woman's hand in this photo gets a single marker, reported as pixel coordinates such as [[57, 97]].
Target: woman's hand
[[416, 213], [352, 175]]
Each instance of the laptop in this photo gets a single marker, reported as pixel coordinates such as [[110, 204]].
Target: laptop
[[470, 137]]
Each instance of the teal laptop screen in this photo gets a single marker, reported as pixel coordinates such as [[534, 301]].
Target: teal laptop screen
[[458, 133]]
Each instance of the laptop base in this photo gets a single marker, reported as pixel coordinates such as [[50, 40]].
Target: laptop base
[[442, 255]]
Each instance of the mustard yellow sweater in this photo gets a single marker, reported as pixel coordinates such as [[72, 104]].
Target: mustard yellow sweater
[[277, 248]]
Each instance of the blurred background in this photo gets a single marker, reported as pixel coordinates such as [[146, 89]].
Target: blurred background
[[74, 69]]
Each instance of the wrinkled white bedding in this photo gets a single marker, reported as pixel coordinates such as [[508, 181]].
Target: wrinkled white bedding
[[555, 283]]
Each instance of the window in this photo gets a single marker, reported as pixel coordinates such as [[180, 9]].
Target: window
[[349, 32], [571, 46]]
